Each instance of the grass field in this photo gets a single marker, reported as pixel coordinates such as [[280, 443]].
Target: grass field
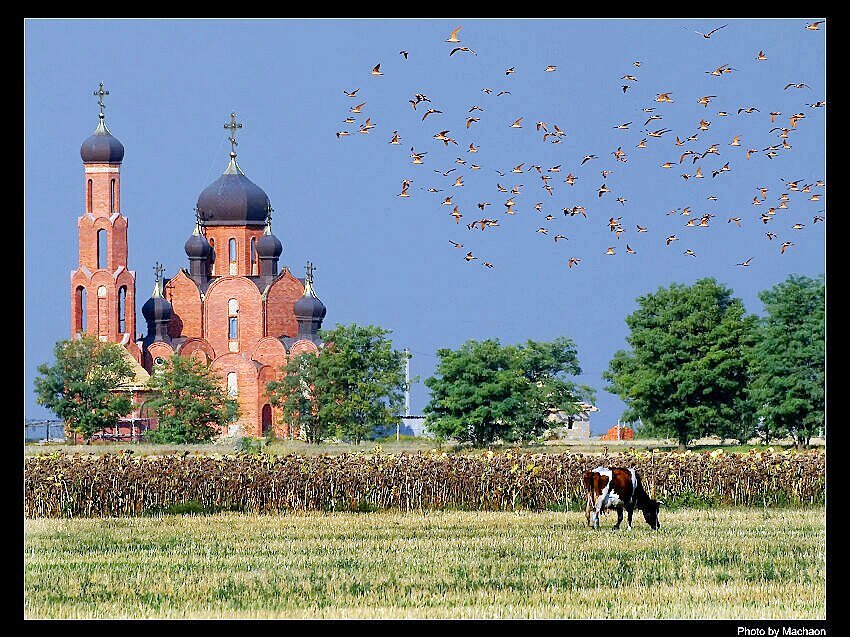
[[735, 563]]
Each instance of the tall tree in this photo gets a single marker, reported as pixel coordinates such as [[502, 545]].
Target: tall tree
[[787, 363], [484, 390], [686, 372], [189, 402], [353, 386], [80, 387]]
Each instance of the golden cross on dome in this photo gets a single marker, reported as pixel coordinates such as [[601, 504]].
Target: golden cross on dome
[[233, 125], [100, 93]]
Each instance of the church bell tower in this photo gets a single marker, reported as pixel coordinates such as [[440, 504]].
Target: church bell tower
[[103, 290]]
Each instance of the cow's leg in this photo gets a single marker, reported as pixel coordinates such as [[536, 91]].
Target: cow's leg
[[600, 501], [629, 510], [619, 517]]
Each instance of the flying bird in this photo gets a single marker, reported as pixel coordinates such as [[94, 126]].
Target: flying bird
[[430, 111], [761, 56], [404, 53], [710, 33], [517, 123], [573, 261], [745, 263], [465, 49], [550, 68], [814, 25], [456, 245], [690, 253], [453, 37], [377, 70], [785, 246], [350, 93]]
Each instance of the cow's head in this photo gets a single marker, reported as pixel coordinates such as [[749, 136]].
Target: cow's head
[[650, 513]]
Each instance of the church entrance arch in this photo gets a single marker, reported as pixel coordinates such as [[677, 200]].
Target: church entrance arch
[[267, 419]]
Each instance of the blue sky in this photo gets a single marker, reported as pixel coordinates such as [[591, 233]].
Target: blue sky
[[385, 260]]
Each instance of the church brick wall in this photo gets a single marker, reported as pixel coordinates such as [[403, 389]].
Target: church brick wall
[[280, 301], [185, 299], [250, 314]]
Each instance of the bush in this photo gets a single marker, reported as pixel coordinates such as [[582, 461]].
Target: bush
[[251, 446]]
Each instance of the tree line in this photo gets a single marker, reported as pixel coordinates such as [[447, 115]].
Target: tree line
[[696, 365]]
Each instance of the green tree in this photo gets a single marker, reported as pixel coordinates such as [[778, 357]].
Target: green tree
[[296, 396], [484, 390], [189, 401], [686, 372], [80, 387], [354, 385], [787, 362]]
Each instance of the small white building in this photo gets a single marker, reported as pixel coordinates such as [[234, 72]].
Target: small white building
[[571, 426]]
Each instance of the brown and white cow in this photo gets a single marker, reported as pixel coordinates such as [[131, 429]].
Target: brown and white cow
[[618, 489]]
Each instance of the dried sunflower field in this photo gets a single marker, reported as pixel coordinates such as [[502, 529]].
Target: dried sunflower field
[[66, 485]]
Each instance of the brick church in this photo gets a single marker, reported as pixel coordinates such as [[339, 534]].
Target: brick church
[[235, 307]]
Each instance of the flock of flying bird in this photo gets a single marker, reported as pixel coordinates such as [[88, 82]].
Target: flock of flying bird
[[685, 147]]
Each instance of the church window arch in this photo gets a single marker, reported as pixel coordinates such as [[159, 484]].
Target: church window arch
[[232, 253], [101, 248], [111, 196], [253, 256], [233, 325], [88, 195], [122, 309], [80, 307]]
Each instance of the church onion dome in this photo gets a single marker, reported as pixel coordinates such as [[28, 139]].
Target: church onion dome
[[102, 147], [157, 309], [269, 246], [309, 306], [233, 200], [197, 245]]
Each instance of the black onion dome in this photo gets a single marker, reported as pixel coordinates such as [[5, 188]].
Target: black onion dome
[[269, 247], [233, 200], [309, 306], [102, 146], [156, 309], [197, 246]]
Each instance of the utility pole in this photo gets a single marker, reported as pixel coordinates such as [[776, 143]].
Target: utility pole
[[406, 393]]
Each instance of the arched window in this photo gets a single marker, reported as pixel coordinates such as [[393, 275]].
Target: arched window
[[232, 385], [211, 262], [253, 256], [122, 310], [233, 325], [88, 195], [101, 249], [232, 253], [111, 196], [80, 309]]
